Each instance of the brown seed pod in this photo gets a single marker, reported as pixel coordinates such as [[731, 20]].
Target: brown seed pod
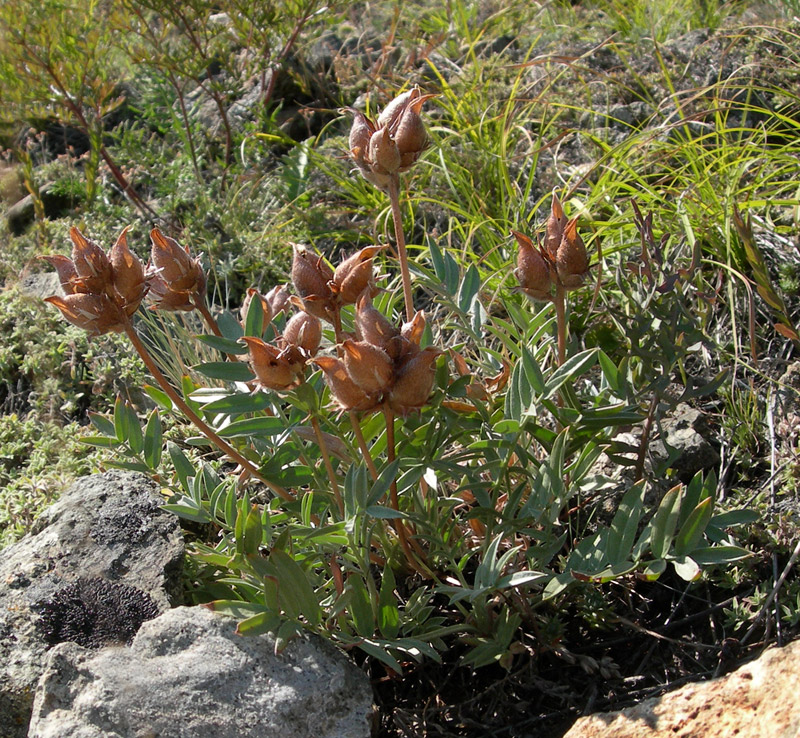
[[271, 366], [554, 227], [347, 394], [532, 272], [355, 274], [303, 331], [368, 366], [372, 326], [92, 266], [414, 383], [572, 261], [128, 274], [96, 314]]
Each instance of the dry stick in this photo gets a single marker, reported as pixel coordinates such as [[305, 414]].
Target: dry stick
[[394, 200], [201, 425], [326, 458]]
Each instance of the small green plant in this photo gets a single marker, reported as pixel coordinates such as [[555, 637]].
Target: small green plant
[[366, 492]]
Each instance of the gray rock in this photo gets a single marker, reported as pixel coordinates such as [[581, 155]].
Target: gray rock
[[684, 443], [107, 527], [188, 674]]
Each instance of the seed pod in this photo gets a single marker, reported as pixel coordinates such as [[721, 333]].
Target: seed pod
[[395, 109], [310, 274], [164, 298], [65, 268], [368, 366], [96, 314], [532, 272], [360, 133], [174, 265], [410, 134], [277, 300], [347, 394], [272, 370], [92, 266], [372, 326], [383, 153], [355, 274], [554, 227], [414, 382], [128, 275], [572, 261], [303, 331]]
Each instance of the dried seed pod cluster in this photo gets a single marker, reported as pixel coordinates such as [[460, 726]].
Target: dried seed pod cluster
[[393, 142], [177, 281], [323, 291], [101, 291], [562, 260], [382, 365]]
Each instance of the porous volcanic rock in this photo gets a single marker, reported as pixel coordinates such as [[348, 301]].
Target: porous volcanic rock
[[105, 542], [188, 674], [756, 701]]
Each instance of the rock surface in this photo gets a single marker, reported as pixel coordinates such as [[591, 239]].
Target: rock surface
[[107, 527], [188, 674], [756, 701]]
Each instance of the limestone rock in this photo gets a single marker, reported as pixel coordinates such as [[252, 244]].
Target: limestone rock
[[105, 527], [188, 674], [756, 701]]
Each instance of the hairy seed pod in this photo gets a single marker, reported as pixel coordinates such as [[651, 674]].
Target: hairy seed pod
[[310, 274], [65, 268], [277, 300], [554, 227], [355, 274], [372, 326], [91, 263], [303, 331], [383, 152], [272, 370], [532, 272], [572, 261], [368, 366], [96, 314], [128, 275], [414, 383], [395, 109], [360, 133], [347, 394], [173, 263]]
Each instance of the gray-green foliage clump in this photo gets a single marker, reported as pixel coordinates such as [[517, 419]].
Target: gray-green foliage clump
[[388, 483]]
